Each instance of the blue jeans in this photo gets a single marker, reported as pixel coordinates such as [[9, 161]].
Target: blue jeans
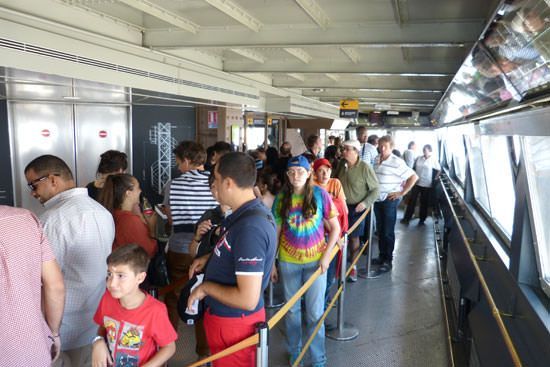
[[386, 216], [293, 276]]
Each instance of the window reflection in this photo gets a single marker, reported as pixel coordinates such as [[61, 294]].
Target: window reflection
[[537, 158], [499, 179], [478, 172], [456, 150]]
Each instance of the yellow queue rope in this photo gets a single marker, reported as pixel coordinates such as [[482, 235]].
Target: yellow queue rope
[[253, 340]]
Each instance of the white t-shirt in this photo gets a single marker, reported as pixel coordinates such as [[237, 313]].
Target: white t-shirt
[[424, 167]]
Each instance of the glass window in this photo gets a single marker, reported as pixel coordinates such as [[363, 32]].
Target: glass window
[[500, 182], [537, 158], [456, 150], [402, 138], [255, 137], [478, 172]]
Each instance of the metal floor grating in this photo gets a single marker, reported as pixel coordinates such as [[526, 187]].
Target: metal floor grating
[[398, 315]]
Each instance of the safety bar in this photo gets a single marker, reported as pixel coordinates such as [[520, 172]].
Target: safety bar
[[492, 305], [274, 320]]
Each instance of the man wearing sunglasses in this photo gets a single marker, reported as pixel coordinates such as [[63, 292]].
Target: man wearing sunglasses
[[81, 233]]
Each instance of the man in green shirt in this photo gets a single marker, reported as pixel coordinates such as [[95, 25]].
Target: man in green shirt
[[361, 188]]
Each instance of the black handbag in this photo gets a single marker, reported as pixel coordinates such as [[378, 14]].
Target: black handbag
[[157, 272]]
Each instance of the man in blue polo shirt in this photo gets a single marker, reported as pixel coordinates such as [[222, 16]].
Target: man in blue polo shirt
[[240, 265]]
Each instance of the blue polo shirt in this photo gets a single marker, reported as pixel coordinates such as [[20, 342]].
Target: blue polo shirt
[[247, 248]]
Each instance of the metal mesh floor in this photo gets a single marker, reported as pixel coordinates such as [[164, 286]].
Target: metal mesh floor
[[398, 315]]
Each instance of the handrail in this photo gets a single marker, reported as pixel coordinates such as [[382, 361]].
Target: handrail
[[253, 339], [485, 288]]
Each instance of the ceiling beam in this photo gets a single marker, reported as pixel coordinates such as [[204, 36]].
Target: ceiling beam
[[162, 14], [236, 12], [250, 54], [333, 45], [297, 76], [299, 53], [315, 12], [333, 77], [441, 32], [391, 66], [351, 53]]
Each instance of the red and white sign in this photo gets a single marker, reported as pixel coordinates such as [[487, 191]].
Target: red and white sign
[[102, 133], [45, 133], [212, 119]]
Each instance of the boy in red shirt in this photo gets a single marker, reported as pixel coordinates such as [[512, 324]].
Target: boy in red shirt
[[134, 329]]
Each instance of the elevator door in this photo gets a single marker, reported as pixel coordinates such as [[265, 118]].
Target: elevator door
[[98, 129], [39, 128]]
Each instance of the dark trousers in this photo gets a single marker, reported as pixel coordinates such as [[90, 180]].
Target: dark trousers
[[386, 216], [425, 193]]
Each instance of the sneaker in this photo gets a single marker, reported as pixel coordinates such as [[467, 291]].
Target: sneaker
[[404, 221], [385, 267], [377, 261], [353, 275]]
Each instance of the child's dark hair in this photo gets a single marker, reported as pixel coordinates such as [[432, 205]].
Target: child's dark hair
[[132, 255], [112, 161]]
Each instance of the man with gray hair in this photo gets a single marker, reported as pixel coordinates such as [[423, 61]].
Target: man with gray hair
[[81, 233]]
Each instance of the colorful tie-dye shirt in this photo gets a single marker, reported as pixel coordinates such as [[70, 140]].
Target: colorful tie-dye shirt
[[302, 239]]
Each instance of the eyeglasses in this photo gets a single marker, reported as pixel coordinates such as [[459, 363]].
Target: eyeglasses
[[32, 185]]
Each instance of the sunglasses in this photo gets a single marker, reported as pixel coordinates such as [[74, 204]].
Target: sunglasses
[[32, 185]]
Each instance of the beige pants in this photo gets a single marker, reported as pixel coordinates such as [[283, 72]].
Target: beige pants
[[78, 357]]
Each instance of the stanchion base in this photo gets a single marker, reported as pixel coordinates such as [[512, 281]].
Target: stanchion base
[[362, 273], [348, 333]]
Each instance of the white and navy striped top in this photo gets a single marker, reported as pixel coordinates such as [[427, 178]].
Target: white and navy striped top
[[391, 173], [189, 197]]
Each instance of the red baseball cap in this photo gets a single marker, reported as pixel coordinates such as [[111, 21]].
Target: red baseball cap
[[321, 162]]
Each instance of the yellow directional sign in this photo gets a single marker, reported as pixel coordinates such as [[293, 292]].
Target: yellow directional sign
[[349, 104], [349, 108], [269, 121], [250, 120]]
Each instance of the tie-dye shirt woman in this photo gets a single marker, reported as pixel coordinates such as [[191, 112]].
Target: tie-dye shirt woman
[[302, 239]]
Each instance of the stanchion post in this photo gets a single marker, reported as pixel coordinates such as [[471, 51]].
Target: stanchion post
[[343, 331], [271, 303], [262, 355], [371, 273]]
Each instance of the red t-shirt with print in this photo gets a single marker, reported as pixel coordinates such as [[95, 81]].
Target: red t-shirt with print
[[134, 336]]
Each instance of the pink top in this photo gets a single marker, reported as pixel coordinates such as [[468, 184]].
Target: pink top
[[23, 248]]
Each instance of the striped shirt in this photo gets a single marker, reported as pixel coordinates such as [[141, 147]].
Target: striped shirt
[[391, 173], [23, 250], [81, 232], [368, 153], [189, 197]]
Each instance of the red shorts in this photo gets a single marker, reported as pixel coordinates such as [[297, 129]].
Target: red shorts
[[223, 332]]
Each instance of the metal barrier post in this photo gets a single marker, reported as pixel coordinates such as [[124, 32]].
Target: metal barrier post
[[262, 348], [343, 331], [271, 303], [371, 273]]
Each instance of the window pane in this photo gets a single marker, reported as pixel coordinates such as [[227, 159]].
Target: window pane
[[455, 145], [402, 138], [478, 172], [500, 182], [537, 158]]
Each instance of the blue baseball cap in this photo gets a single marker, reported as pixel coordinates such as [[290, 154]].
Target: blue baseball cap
[[299, 161]]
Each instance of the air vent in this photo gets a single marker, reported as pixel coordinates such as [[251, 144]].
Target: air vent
[[37, 50]]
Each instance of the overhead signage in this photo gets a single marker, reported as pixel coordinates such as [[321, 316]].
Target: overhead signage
[[349, 108]]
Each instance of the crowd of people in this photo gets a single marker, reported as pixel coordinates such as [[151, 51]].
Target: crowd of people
[[241, 219]]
